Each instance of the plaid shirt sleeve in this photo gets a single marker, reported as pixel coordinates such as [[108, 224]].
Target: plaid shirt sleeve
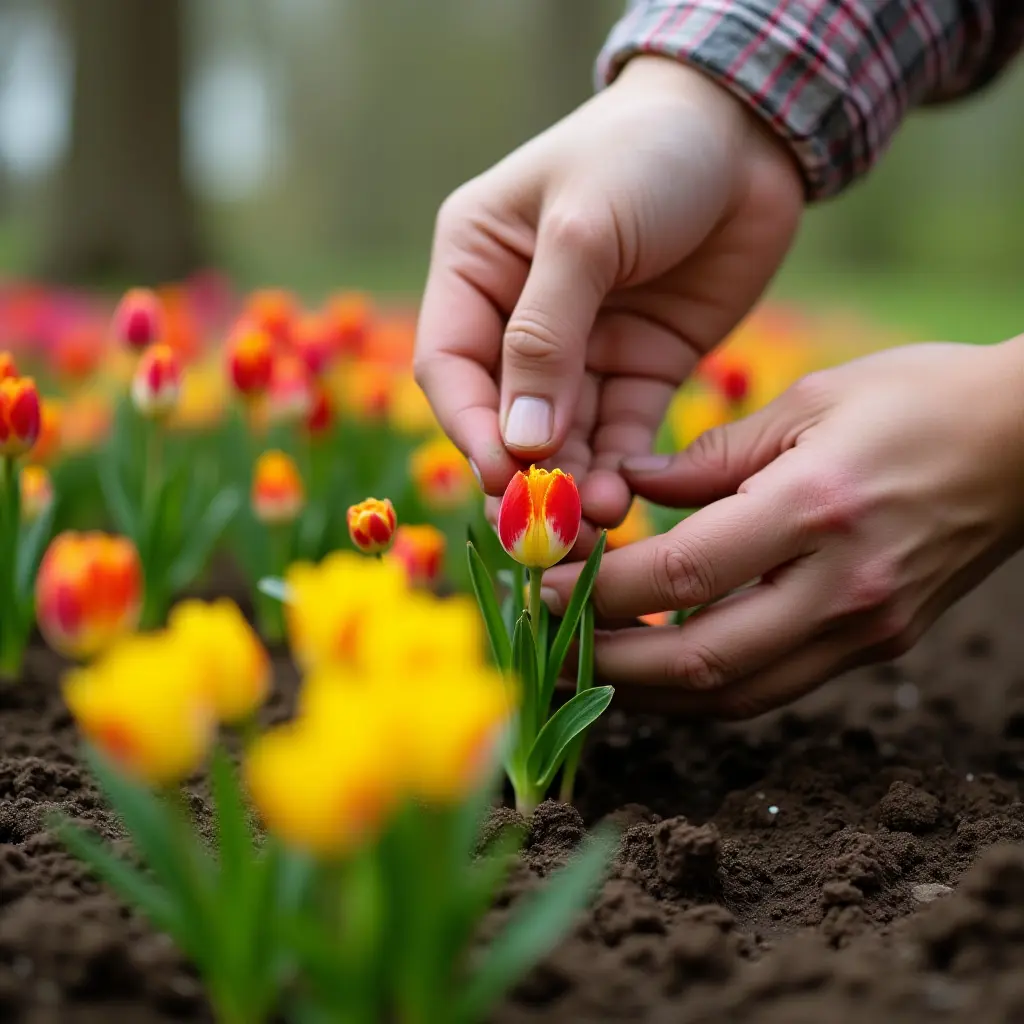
[[834, 78]]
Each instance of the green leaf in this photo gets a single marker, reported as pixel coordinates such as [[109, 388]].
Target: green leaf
[[30, 550], [483, 587], [234, 840], [584, 681], [154, 833], [524, 667], [119, 505], [202, 538], [571, 619], [537, 924], [129, 883], [275, 587], [565, 724]]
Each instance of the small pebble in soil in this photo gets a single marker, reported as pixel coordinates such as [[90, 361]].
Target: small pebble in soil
[[773, 809], [928, 891], [969, 776], [907, 696]]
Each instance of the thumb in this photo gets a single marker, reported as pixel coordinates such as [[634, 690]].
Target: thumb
[[545, 344], [721, 459]]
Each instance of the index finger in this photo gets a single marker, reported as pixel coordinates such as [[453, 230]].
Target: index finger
[[713, 552], [472, 283]]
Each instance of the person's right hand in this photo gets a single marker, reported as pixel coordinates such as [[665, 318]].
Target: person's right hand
[[574, 285]]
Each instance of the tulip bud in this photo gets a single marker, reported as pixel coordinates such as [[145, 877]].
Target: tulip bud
[[277, 492], [142, 706], [36, 492], [7, 365], [371, 525], [441, 474], [539, 517], [138, 319], [20, 415], [348, 318], [88, 592], [250, 360], [420, 550], [157, 382], [226, 655], [290, 393], [313, 344]]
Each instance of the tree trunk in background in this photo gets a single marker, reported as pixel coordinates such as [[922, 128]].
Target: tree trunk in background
[[122, 209]]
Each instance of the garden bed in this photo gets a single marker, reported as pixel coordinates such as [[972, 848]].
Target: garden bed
[[790, 870]]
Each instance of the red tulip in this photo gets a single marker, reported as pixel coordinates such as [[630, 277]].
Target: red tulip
[[539, 518]]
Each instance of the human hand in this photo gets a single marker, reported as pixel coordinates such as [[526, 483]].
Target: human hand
[[860, 504], [574, 285]]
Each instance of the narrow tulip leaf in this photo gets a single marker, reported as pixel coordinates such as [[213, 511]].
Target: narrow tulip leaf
[[202, 538], [275, 587], [584, 681], [154, 833], [234, 839], [562, 728], [128, 882], [571, 620], [537, 924], [119, 505], [483, 587], [524, 667], [30, 551]]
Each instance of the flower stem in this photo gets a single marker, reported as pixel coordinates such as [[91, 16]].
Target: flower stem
[[536, 576]]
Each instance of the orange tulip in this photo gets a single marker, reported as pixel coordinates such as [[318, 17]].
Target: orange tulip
[[290, 394], [321, 414], [348, 317], [371, 525], [250, 360], [157, 382], [272, 310], [420, 550], [539, 517], [7, 365], [313, 343], [138, 319], [441, 473], [88, 592], [20, 415], [277, 492]]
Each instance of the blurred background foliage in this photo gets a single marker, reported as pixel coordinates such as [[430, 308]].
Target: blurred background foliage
[[308, 143]]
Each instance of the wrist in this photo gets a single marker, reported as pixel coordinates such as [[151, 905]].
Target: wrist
[[1005, 372]]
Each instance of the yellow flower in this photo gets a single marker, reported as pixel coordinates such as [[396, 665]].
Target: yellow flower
[[226, 655], [142, 706], [331, 603], [636, 526], [695, 410], [409, 411], [326, 784]]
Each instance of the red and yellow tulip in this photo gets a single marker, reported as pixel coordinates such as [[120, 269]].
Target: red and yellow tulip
[[420, 550], [290, 392], [249, 357], [278, 495], [441, 474], [138, 319], [36, 492], [88, 592], [539, 517], [157, 382], [371, 525], [20, 415]]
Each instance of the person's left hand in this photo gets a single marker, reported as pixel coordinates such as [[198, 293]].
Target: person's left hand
[[860, 505]]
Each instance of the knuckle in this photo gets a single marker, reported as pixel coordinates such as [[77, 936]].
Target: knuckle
[[575, 230], [871, 588], [833, 502], [700, 668], [812, 392], [458, 208], [683, 575], [529, 340], [423, 371], [710, 450]]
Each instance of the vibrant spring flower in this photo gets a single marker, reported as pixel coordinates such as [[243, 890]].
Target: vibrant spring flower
[[371, 525], [278, 495], [20, 415], [539, 517], [326, 785], [143, 707], [363, 389], [695, 410], [8, 368], [226, 655], [272, 310], [78, 350], [250, 360], [348, 317], [636, 526], [321, 413], [290, 393], [203, 397], [332, 602], [138, 319], [48, 444], [409, 411], [314, 343], [441, 474], [420, 549], [85, 421], [36, 492], [157, 381], [735, 384], [88, 592]]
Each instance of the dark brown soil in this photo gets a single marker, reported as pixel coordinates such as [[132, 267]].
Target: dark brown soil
[[859, 857]]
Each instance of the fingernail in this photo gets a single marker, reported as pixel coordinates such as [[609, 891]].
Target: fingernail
[[646, 463], [476, 472], [529, 422], [553, 600]]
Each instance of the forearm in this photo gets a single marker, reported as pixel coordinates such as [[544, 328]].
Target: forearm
[[833, 79]]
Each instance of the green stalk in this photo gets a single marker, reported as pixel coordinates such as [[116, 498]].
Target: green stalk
[[536, 577], [10, 612], [270, 612], [154, 603]]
